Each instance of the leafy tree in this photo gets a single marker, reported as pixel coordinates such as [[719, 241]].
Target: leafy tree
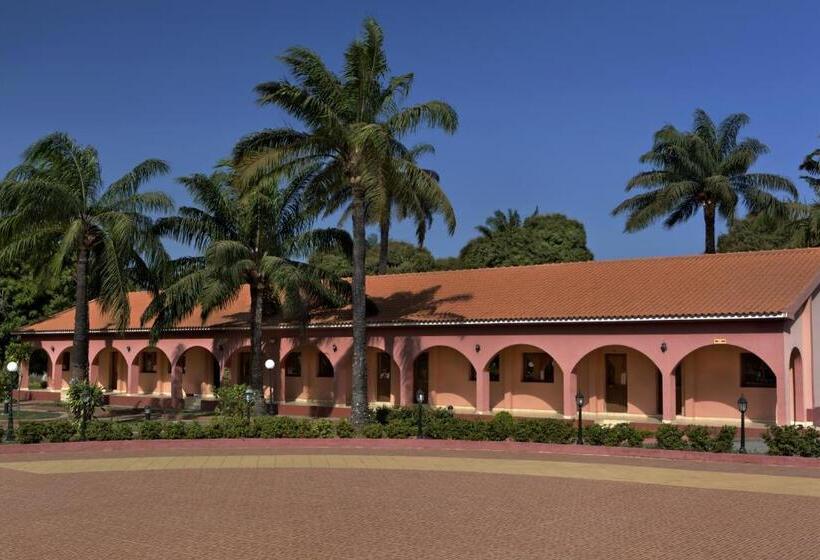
[[507, 240], [352, 123], [249, 236], [55, 212], [808, 224], [708, 169], [757, 233], [403, 257]]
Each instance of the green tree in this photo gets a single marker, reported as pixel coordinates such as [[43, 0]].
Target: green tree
[[248, 236], [507, 240], [352, 123], [757, 233], [708, 169], [55, 212], [403, 257], [808, 224]]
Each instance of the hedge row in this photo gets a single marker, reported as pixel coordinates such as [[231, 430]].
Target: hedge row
[[793, 440], [696, 438]]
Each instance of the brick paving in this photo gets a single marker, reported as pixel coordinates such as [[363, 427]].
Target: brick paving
[[312, 513]]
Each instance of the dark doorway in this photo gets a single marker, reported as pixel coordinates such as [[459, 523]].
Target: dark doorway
[[421, 375], [616, 382], [383, 379], [678, 390]]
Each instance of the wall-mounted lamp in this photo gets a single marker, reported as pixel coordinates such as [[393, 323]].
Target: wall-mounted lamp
[[334, 347], [127, 348], [663, 347], [478, 348]]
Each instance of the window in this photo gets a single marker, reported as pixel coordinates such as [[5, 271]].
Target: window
[[293, 365], [538, 368], [65, 360], [149, 362], [494, 368], [325, 367], [755, 373]]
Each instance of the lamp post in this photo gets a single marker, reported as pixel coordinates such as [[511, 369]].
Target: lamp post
[[146, 413], [249, 401], [269, 365], [580, 401], [420, 401], [742, 406], [11, 367]]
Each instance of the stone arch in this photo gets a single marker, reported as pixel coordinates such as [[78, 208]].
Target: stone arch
[[39, 369], [619, 379], [109, 369], [197, 369], [537, 387], [153, 370], [712, 380], [238, 364], [797, 397], [61, 369], [310, 373], [443, 373]]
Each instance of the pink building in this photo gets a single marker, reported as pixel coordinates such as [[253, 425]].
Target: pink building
[[674, 339]]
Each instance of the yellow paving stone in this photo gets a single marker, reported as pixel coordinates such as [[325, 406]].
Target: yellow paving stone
[[716, 480]]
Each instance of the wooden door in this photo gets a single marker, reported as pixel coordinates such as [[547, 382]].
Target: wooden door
[[616, 382]]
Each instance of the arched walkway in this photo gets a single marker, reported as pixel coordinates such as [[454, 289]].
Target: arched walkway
[[110, 370], [39, 370], [309, 375], [713, 378], [444, 374], [383, 380], [619, 380], [525, 378], [238, 365], [198, 371], [798, 406], [154, 371], [61, 370]]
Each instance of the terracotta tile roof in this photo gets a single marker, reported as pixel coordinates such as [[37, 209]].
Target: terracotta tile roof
[[761, 284]]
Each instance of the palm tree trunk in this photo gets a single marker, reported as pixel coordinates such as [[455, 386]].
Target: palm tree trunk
[[384, 240], [79, 350], [256, 337], [709, 219], [359, 394]]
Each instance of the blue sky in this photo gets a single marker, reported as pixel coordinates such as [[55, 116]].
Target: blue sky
[[557, 100]]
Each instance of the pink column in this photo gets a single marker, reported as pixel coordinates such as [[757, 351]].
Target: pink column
[[570, 389], [482, 391], [782, 410], [23, 375], [134, 379], [176, 385], [669, 396]]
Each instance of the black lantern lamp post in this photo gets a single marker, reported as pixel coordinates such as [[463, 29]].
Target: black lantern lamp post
[[269, 365], [146, 413], [249, 401], [11, 367], [580, 401], [742, 406], [420, 402]]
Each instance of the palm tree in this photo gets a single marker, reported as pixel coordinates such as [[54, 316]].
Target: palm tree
[[707, 168], [352, 123], [55, 212], [252, 237], [808, 224], [500, 222]]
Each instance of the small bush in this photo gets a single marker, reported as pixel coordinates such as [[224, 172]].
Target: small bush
[[373, 431], [324, 428], [400, 429], [214, 429], [149, 429], [614, 436], [174, 430], [669, 437], [238, 428], [793, 440], [544, 431], [724, 441], [595, 434], [501, 427], [99, 430], [699, 438], [59, 431], [438, 428], [194, 430], [122, 431], [344, 429], [277, 427], [30, 432]]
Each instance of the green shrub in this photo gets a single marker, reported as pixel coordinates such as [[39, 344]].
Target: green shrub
[[669, 437], [30, 432], [544, 431], [194, 430], [277, 427], [324, 428], [724, 441], [122, 431], [501, 427], [232, 403], [174, 430], [83, 399], [400, 429], [344, 429], [59, 431], [614, 436], [595, 434], [438, 428], [699, 438], [99, 430], [238, 427], [214, 429], [149, 429], [373, 431], [793, 440]]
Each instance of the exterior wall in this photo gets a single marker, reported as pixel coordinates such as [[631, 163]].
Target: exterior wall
[[158, 382], [112, 372], [814, 360], [511, 392], [642, 381], [798, 357], [449, 381], [199, 373], [711, 387], [372, 377], [309, 387]]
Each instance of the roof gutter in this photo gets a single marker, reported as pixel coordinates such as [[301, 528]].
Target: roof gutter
[[454, 323]]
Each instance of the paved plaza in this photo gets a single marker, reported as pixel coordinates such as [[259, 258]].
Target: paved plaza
[[360, 502]]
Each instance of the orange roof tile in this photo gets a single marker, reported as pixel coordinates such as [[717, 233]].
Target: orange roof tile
[[759, 284]]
